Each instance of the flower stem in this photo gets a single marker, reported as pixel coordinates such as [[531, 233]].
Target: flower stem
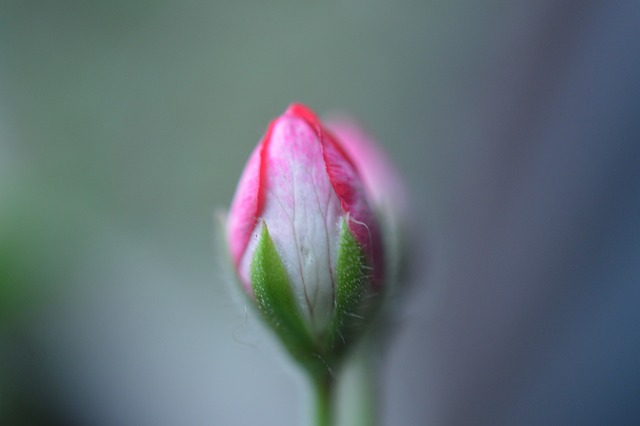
[[359, 397], [324, 386]]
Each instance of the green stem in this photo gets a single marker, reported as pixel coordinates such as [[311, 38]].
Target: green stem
[[358, 403], [366, 382], [323, 387]]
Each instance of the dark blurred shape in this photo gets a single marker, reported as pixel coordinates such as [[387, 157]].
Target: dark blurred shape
[[532, 317]]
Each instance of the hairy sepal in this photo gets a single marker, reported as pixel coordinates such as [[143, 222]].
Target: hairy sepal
[[353, 307], [275, 299], [354, 304]]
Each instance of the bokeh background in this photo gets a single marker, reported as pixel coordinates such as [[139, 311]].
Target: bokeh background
[[125, 124]]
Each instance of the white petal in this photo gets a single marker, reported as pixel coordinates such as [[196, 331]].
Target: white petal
[[302, 213]]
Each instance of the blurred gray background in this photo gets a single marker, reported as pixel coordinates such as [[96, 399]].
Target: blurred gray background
[[125, 124]]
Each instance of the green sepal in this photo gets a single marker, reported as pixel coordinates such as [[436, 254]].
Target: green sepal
[[353, 309], [275, 299], [353, 306]]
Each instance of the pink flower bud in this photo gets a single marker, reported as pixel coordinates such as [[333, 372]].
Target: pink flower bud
[[302, 186]]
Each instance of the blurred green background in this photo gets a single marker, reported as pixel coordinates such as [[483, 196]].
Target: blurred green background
[[124, 125]]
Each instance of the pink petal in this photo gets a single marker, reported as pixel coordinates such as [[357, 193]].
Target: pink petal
[[347, 184], [381, 179], [302, 213], [248, 201]]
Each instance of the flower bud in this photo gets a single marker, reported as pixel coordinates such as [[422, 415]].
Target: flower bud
[[304, 240]]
